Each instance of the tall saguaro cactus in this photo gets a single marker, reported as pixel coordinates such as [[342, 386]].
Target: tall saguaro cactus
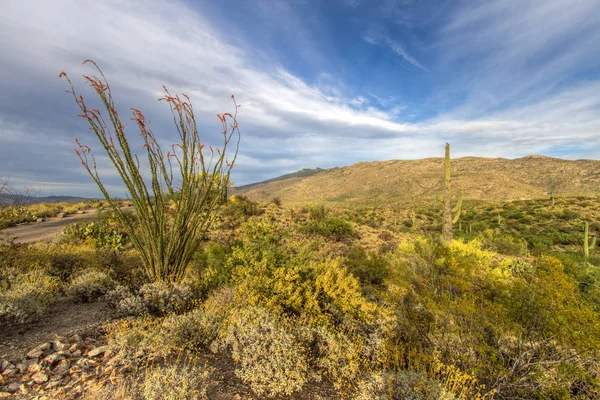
[[586, 241], [451, 214]]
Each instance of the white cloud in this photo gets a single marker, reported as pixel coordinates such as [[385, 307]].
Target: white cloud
[[512, 107]]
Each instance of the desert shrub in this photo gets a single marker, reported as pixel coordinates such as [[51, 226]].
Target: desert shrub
[[367, 267], [521, 268], [158, 298], [141, 338], [500, 325], [333, 228], [269, 277], [316, 212], [405, 385], [209, 270], [185, 381], [12, 215], [125, 302], [270, 359], [173, 382], [504, 244], [90, 285], [569, 215], [100, 233], [200, 328], [197, 329], [161, 298], [338, 358], [240, 208], [26, 296]]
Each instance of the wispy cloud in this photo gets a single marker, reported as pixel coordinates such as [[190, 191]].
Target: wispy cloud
[[382, 39]]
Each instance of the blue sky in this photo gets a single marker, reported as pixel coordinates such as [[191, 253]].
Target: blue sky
[[321, 83]]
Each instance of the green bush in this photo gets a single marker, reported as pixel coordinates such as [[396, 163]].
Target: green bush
[[161, 298], [125, 303], [333, 228], [173, 382], [90, 285], [169, 382], [240, 208], [369, 268], [405, 385], [269, 358], [504, 244], [26, 296], [100, 233]]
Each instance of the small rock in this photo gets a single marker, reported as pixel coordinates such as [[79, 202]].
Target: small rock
[[113, 361], [76, 346], [62, 368], [65, 353], [97, 351], [10, 371], [13, 387], [40, 378], [76, 353], [44, 346], [35, 367], [23, 389], [75, 370], [58, 346], [52, 385], [75, 339], [53, 359], [22, 367], [40, 220], [61, 215], [108, 354], [4, 365], [35, 353]]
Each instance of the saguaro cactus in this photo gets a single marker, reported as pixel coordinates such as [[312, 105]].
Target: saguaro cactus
[[586, 241], [451, 214]]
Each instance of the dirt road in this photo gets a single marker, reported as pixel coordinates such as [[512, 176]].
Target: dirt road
[[44, 230]]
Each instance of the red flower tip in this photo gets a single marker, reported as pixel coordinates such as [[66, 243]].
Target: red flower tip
[[62, 73]]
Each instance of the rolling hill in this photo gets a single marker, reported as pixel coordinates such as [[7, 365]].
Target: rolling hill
[[398, 181]]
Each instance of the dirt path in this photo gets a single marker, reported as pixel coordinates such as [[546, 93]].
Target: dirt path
[[44, 230]]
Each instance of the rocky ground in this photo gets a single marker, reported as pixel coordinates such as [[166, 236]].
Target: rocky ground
[[64, 368]]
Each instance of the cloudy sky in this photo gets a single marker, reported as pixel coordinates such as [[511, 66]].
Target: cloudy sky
[[322, 83]]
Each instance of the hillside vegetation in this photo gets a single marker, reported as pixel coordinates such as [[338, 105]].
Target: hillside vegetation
[[396, 181], [356, 303]]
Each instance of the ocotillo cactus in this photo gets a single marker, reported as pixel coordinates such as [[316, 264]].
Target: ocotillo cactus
[[586, 242], [451, 215]]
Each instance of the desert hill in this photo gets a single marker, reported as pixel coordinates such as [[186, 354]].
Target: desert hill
[[397, 181]]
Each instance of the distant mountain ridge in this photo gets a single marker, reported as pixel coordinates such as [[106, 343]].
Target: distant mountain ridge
[[393, 181], [12, 198], [303, 173]]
